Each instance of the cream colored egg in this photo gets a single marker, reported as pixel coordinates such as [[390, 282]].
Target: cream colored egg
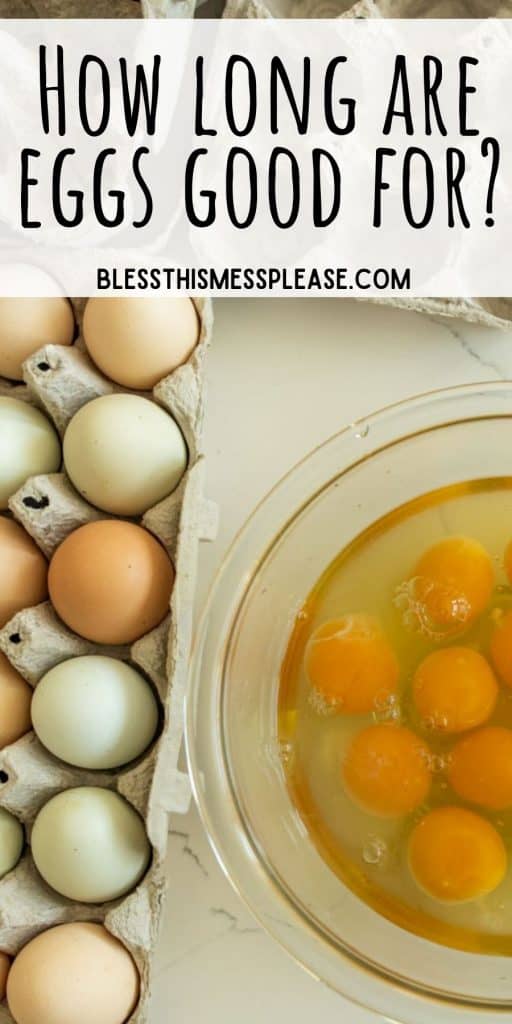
[[124, 453], [12, 839], [137, 341], [90, 845], [28, 445], [73, 974], [26, 324], [94, 712]]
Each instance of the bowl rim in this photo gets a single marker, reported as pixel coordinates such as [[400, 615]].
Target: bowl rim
[[398, 999]]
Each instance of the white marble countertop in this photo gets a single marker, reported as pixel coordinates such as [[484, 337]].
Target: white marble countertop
[[215, 965]]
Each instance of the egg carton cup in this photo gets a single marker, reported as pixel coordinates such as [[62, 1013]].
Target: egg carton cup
[[60, 381], [491, 312]]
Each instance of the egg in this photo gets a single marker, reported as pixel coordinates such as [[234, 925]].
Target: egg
[[23, 571], [137, 341], [26, 324], [28, 445], [386, 770], [15, 698], [456, 855], [111, 581], [454, 689], [454, 580], [124, 453], [73, 974], [12, 840], [5, 965], [481, 768], [90, 845], [94, 712], [351, 665]]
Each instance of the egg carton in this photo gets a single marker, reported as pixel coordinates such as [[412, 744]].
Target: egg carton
[[492, 312], [60, 380]]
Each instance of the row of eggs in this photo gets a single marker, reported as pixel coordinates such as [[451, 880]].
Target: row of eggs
[[111, 582], [122, 452], [112, 329], [88, 843]]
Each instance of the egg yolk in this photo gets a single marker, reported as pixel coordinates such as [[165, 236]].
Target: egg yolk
[[455, 855], [481, 768], [454, 580], [454, 689], [351, 665], [386, 770], [501, 648]]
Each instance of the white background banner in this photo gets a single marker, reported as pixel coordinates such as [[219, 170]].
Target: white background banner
[[260, 157]]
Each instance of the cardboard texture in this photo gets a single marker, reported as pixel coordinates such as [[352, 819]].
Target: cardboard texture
[[60, 380]]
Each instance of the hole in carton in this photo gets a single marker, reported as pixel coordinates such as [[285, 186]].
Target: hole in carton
[[15, 638], [38, 503], [3, 777], [44, 367]]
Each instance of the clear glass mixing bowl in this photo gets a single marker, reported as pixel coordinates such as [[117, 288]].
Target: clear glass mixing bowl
[[236, 766]]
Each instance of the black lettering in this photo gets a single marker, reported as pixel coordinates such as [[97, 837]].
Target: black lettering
[[272, 187], [399, 87], [432, 77], [231, 190], [26, 183], [132, 106], [279, 74], [465, 90], [253, 97], [321, 220], [44, 89], [97, 191], [141, 182], [210, 197], [349, 104], [78, 197], [82, 95]]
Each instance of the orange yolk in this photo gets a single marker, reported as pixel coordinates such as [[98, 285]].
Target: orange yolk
[[455, 855], [386, 770], [454, 689], [501, 648], [454, 581], [481, 768], [350, 663]]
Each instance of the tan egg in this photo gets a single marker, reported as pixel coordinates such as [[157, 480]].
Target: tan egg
[[73, 974], [26, 324], [23, 571], [15, 700], [5, 964], [137, 341], [111, 581]]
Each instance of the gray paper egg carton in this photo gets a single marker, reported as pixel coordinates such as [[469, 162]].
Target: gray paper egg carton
[[60, 380], [490, 312]]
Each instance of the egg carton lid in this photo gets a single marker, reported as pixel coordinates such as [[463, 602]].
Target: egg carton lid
[[60, 380]]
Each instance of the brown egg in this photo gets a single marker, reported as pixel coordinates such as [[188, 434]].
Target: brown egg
[[73, 974], [26, 324], [23, 571], [15, 700], [5, 963], [111, 581], [137, 341]]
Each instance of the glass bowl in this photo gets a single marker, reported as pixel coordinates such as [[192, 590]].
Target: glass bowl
[[359, 475]]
